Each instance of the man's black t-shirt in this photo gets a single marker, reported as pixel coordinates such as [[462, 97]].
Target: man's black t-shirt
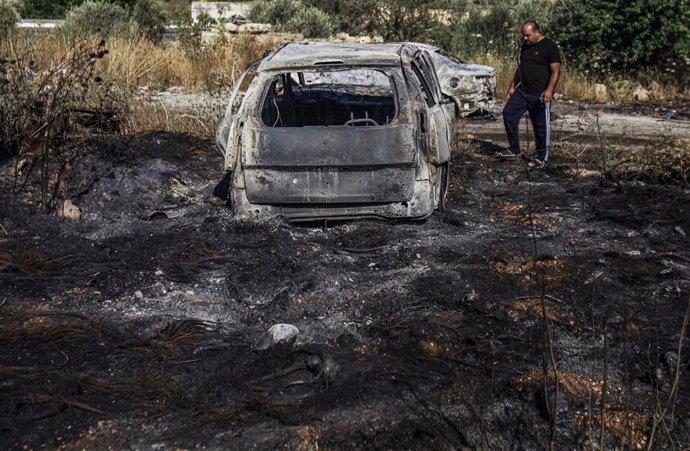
[[534, 70]]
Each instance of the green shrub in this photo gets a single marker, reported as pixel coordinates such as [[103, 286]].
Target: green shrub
[[356, 17], [311, 22], [189, 33], [623, 35], [8, 17], [148, 18], [275, 12], [494, 29], [95, 17]]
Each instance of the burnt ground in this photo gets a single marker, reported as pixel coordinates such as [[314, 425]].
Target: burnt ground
[[143, 325]]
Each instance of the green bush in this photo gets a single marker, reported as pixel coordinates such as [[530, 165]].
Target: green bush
[[189, 33], [293, 16], [275, 12], [492, 29], [623, 35], [356, 17], [311, 22], [148, 18], [8, 17], [95, 17]]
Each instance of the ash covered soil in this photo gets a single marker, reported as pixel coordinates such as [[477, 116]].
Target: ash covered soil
[[144, 324]]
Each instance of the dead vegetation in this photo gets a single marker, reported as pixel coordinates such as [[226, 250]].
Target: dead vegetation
[[139, 325]]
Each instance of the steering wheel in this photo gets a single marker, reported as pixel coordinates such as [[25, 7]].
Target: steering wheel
[[362, 120]]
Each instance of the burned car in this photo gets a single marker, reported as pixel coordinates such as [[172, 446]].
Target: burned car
[[471, 86], [331, 130]]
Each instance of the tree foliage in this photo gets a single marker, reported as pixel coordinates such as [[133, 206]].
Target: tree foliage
[[406, 20], [356, 17], [492, 28], [96, 17], [293, 16], [311, 22], [56, 9], [105, 19], [621, 35], [148, 18], [8, 17]]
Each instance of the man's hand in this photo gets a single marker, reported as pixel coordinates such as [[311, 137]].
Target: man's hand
[[511, 91], [547, 95]]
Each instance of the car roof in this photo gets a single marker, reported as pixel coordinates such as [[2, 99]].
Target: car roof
[[306, 54]]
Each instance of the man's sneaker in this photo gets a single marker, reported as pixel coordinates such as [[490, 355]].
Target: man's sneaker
[[507, 153]]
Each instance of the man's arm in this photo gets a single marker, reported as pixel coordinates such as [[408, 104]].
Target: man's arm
[[555, 69], [513, 85]]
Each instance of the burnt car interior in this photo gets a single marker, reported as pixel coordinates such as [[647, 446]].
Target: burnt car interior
[[353, 97]]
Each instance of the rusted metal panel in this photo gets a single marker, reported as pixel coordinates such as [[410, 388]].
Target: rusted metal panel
[[329, 185], [341, 146]]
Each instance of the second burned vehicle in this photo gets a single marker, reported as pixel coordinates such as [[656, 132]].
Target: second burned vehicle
[[329, 130], [471, 86]]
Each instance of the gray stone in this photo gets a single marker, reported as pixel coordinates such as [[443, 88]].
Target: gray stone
[[278, 333], [69, 211], [600, 93], [641, 94]]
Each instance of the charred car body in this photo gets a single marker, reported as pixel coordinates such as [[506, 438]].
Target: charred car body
[[471, 86], [330, 130]]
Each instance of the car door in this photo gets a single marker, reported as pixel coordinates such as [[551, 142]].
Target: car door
[[439, 125], [227, 135]]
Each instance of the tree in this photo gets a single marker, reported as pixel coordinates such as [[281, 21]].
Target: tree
[[56, 9], [46, 9], [405, 20], [96, 17], [311, 22], [620, 35], [293, 16], [492, 28], [148, 18], [356, 17], [8, 17]]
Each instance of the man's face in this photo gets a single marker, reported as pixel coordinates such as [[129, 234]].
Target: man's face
[[529, 36]]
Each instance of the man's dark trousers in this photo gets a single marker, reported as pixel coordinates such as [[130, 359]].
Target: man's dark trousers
[[539, 112]]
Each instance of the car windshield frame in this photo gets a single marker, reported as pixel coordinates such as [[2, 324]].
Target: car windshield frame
[[298, 76]]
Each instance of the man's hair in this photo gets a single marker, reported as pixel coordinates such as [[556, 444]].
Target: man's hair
[[534, 25]]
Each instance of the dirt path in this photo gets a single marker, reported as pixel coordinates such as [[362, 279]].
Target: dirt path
[[144, 324]]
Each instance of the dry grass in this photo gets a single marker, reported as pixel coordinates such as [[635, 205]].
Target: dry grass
[[518, 214], [136, 66], [551, 268], [136, 63], [518, 309], [144, 117], [133, 63], [575, 85], [580, 389], [666, 160]]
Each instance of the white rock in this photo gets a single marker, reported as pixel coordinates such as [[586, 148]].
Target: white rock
[[138, 294], [69, 211], [600, 93], [279, 333], [641, 94]]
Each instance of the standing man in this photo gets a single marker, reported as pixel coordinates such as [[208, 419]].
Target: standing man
[[532, 90]]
